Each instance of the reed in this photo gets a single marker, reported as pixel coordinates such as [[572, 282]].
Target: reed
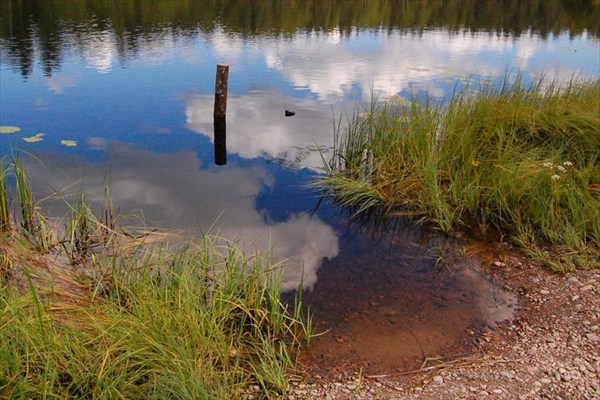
[[519, 157]]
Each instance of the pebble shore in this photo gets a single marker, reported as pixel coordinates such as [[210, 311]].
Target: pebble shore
[[549, 350]]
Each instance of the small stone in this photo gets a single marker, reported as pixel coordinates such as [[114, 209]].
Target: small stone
[[351, 386], [418, 390], [544, 292], [575, 298], [497, 391], [545, 381], [586, 288], [507, 374], [557, 376], [438, 379], [574, 280]]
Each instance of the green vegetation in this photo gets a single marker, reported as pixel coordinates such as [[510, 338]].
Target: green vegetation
[[521, 158], [91, 313]]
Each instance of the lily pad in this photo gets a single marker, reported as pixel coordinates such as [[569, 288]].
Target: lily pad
[[37, 138], [419, 69], [9, 129], [69, 143]]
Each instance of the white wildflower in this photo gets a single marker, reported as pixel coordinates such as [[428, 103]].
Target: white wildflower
[[548, 165], [561, 169], [555, 177], [568, 164]]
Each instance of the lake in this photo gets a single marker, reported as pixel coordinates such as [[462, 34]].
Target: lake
[[119, 95]]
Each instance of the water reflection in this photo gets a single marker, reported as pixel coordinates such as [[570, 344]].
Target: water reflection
[[257, 126], [99, 52], [385, 63], [167, 67], [173, 192], [28, 33], [387, 304], [375, 62]]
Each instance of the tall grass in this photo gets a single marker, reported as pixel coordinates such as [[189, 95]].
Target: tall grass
[[4, 214], [203, 320], [33, 224], [521, 158]]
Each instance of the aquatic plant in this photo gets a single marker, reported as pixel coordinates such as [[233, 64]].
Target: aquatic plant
[[38, 137], [519, 157], [8, 129], [68, 143]]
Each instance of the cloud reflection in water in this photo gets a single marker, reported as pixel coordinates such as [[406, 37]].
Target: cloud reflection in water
[[173, 191], [257, 127]]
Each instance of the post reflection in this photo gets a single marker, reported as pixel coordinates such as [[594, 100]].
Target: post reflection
[[220, 139]]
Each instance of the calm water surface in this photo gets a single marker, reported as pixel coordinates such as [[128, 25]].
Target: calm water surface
[[131, 85]]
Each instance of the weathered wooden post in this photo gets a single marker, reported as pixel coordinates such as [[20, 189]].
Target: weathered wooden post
[[219, 114]]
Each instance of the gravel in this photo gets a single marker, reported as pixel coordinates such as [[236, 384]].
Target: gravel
[[549, 350]]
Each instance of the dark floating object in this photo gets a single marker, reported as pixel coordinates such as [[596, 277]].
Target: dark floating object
[[289, 113]]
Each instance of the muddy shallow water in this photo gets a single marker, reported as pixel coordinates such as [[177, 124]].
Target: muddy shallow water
[[389, 304]]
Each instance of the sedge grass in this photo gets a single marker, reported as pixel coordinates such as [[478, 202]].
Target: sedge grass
[[522, 158], [203, 320]]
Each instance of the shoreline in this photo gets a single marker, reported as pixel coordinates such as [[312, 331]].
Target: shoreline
[[545, 351]]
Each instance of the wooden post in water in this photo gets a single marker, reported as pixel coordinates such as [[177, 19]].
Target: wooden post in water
[[219, 114]]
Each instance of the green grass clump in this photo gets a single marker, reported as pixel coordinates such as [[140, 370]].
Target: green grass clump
[[121, 318], [522, 158]]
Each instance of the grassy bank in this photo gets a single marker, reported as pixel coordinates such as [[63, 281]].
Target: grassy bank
[[88, 312], [521, 158]]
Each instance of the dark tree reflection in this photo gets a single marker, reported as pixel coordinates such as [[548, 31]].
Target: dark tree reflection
[[43, 30]]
